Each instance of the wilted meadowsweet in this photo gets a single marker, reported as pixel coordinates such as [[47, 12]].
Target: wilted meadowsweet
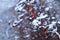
[[36, 21]]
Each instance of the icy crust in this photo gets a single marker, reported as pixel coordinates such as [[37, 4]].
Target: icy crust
[[43, 19]]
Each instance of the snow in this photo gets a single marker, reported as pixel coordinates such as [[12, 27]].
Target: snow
[[20, 7], [35, 22], [58, 22], [20, 16], [42, 16], [1, 20], [32, 1], [17, 22], [20, 2], [51, 25], [27, 35], [53, 17], [58, 34], [16, 37], [47, 9], [6, 14]]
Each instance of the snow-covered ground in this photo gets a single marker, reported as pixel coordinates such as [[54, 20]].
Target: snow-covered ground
[[7, 14]]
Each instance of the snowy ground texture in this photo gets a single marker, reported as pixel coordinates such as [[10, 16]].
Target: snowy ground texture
[[7, 14]]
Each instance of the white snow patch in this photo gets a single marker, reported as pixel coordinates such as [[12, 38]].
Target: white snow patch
[[20, 7], [35, 22], [1, 20], [17, 22], [53, 17], [27, 35], [42, 16], [47, 9]]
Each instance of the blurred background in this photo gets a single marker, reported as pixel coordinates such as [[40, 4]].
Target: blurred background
[[7, 15]]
